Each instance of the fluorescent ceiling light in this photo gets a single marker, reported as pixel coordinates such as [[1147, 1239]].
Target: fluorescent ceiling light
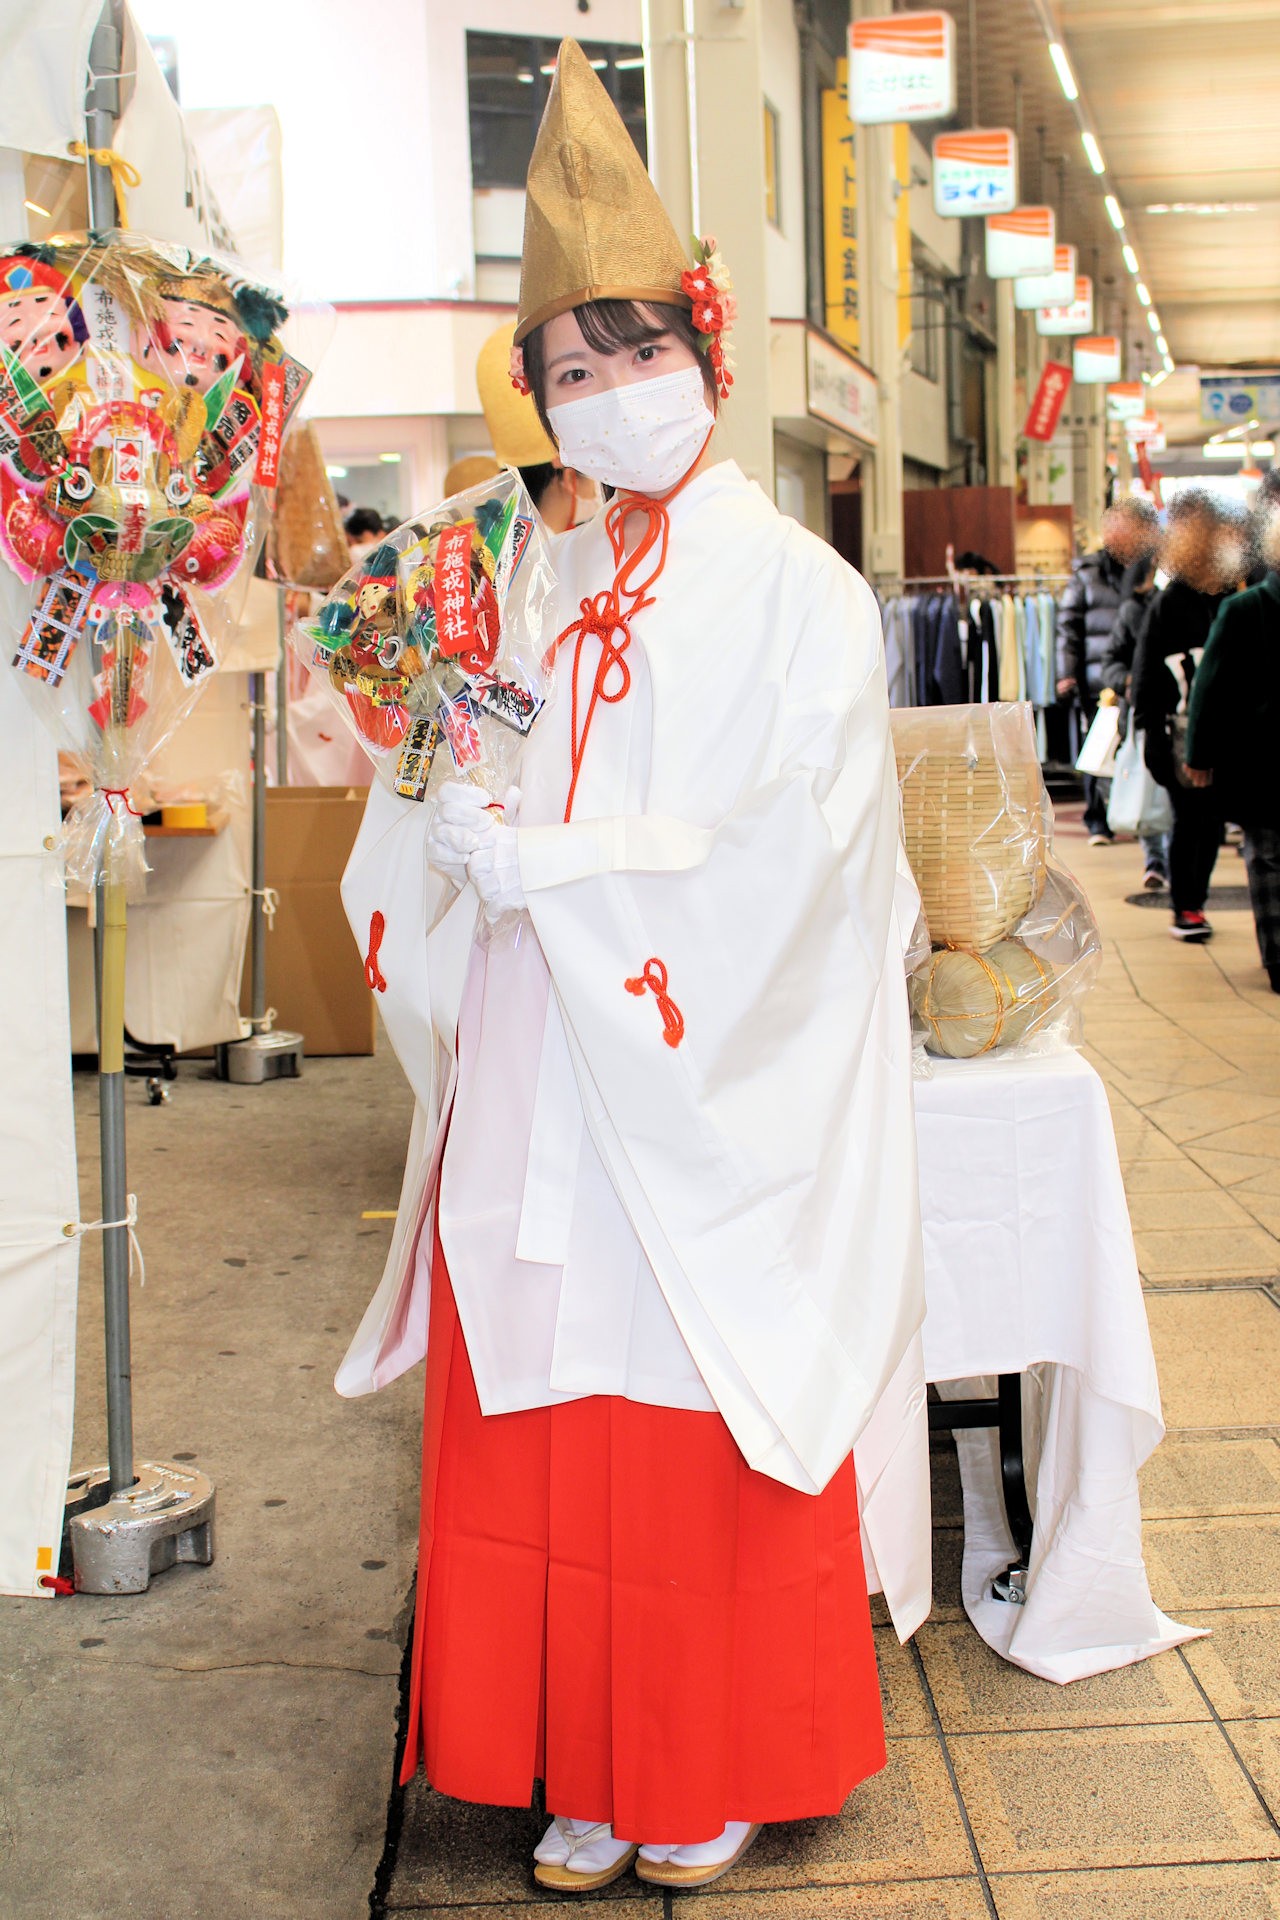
[[1114, 212], [1168, 365], [627, 66], [1235, 449], [1062, 67], [31, 207], [1154, 379], [336, 473], [1153, 320], [1131, 259], [1202, 206], [1094, 152], [1142, 293], [1163, 345], [391, 459]]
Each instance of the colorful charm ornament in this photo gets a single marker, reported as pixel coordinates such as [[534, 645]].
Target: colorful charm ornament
[[715, 309]]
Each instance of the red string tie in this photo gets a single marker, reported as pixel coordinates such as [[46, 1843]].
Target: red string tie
[[654, 978], [372, 971], [112, 794]]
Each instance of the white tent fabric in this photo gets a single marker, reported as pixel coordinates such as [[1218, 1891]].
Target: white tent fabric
[[38, 1260], [44, 57]]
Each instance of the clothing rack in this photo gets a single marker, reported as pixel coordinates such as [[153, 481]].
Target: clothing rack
[[978, 580]]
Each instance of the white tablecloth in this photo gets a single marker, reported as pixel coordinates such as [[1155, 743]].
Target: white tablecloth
[[1030, 1268]]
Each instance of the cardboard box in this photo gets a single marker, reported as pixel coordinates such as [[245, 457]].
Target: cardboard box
[[315, 971]]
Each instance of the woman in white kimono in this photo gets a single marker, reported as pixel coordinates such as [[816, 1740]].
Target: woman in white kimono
[[660, 1229]]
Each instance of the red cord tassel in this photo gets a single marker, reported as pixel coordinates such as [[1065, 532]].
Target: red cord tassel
[[654, 978]]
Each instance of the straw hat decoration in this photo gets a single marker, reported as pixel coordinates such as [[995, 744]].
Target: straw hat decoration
[[971, 1003]]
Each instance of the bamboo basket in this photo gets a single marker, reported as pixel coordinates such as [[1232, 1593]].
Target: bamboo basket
[[974, 818]]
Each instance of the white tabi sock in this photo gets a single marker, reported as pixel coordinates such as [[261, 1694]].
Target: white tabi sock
[[584, 1846], [703, 1853]]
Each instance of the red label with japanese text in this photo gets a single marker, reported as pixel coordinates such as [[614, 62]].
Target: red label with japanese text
[[1042, 417], [451, 588], [267, 471]]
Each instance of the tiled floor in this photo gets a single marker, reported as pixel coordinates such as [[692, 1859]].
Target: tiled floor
[[1152, 1793]]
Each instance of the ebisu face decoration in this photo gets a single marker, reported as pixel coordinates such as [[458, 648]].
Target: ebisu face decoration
[[144, 395]]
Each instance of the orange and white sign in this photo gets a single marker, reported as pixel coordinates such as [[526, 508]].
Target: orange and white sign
[[1075, 317], [975, 172], [902, 67], [1126, 400], [1056, 289], [1095, 357], [1020, 242], [1147, 430]]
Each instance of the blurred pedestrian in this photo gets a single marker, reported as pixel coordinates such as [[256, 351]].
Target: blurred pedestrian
[[363, 528], [1086, 614], [1136, 589], [1234, 724], [1204, 554]]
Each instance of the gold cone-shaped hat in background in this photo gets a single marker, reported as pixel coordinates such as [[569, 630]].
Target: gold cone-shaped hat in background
[[470, 471], [594, 227], [518, 437]]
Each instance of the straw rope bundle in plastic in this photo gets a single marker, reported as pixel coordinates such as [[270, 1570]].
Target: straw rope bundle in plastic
[[973, 818], [971, 1003]]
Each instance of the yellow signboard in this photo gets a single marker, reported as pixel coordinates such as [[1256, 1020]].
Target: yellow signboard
[[840, 213]]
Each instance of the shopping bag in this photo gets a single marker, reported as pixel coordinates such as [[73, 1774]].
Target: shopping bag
[[1138, 803], [1098, 749]]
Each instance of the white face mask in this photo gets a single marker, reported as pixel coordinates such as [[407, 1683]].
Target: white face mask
[[640, 438]]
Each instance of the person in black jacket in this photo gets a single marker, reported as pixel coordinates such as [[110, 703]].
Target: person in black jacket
[[1234, 723], [1117, 673], [1086, 613], [1205, 555]]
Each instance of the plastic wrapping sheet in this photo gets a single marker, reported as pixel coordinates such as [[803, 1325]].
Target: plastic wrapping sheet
[[1014, 946], [144, 396], [433, 647]]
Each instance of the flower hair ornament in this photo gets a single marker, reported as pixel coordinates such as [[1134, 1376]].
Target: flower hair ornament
[[515, 367], [710, 289]]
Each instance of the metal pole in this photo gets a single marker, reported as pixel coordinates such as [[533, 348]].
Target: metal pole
[[282, 698], [258, 922], [102, 110]]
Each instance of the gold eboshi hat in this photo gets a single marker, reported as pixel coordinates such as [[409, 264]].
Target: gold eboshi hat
[[594, 227], [518, 437]]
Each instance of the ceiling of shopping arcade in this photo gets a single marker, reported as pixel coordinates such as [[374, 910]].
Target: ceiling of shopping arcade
[[1180, 97]]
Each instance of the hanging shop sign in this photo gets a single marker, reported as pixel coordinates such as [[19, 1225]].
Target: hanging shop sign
[[1095, 358], [902, 68], [1077, 317], [1020, 242], [1227, 401], [1126, 399], [840, 214], [1046, 405], [975, 172], [1056, 289], [1147, 430], [840, 391]]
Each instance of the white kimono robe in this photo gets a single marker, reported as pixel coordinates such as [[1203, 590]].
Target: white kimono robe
[[737, 819]]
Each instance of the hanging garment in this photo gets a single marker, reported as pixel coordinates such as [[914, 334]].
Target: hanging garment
[[1010, 683], [709, 1659], [949, 675]]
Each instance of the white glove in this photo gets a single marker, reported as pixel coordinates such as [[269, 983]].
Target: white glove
[[461, 823], [494, 871]]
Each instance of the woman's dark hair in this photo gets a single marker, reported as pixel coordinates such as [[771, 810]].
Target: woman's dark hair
[[538, 478], [362, 521], [610, 326]]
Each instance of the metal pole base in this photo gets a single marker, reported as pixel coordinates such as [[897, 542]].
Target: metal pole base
[[275, 1055], [165, 1517]]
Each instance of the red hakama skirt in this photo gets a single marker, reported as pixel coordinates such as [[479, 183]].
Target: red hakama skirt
[[611, 1600]]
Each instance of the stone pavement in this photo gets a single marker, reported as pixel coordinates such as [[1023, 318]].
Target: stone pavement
[[222, 1748], [1148, 1794]]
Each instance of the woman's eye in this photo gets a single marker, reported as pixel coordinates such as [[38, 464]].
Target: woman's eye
[[645, 354], [571, 376]]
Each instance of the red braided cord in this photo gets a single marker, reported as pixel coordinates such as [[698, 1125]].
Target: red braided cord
[[655, 978], [372, 971]]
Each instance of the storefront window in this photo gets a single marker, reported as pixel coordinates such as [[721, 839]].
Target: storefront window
[[508, 80]]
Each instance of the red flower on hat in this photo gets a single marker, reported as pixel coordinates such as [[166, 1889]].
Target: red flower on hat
[[515, 367], [714, 309]]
